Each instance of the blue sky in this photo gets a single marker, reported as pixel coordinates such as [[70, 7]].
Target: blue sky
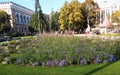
[[46, 5]]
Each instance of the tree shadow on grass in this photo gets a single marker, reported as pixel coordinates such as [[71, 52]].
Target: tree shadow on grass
[[98, 69]]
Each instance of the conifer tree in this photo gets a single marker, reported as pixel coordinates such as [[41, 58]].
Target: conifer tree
[[38, 21]]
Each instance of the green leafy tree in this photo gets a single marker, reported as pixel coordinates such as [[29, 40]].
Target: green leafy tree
[[46, 22], [54, 21], [4, 22], [33, 23]]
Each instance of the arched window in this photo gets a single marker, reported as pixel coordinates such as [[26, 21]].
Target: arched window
[[27, 19], [21, 18], [17, 18], [24, 19]]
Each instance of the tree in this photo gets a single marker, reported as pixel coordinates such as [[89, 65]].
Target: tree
[[75, 17], [33, 23], [116, 17], [63, 20], [54, 21], [71, 16], [90, 8], [38, 21], [4, 22]]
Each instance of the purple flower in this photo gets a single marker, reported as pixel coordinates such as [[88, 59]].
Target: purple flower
[[62, 63]]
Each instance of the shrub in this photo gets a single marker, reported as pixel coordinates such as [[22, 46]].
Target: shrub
[[12, 60], [2, 56]]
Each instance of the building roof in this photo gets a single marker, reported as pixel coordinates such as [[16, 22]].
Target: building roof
[[12, 3]]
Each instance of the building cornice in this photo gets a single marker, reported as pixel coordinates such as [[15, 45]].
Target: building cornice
[[12, 3]]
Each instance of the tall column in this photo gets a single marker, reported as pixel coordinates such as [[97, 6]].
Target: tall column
[[111, 14], [105, 13], [96, 17], [100, 16]]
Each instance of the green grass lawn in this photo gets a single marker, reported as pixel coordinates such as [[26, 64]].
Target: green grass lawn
[[114, 34], [101, 69]]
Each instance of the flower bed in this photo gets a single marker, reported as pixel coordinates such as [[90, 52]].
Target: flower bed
[[60, 51]]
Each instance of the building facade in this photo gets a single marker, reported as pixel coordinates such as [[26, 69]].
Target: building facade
[[107, 8], [20, 16]]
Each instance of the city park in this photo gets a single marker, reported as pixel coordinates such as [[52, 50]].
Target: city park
[[75, 40]]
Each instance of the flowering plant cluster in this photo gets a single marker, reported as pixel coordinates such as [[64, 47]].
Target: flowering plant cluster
[[59, 51]]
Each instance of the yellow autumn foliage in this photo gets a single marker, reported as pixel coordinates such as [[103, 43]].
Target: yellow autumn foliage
[[70, 13]]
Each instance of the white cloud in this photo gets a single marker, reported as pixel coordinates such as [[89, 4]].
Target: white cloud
[[107, 3]]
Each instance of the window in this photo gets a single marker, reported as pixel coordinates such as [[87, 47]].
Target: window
[[27, 19], [21, 17], [24, 19], [17, 18]]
